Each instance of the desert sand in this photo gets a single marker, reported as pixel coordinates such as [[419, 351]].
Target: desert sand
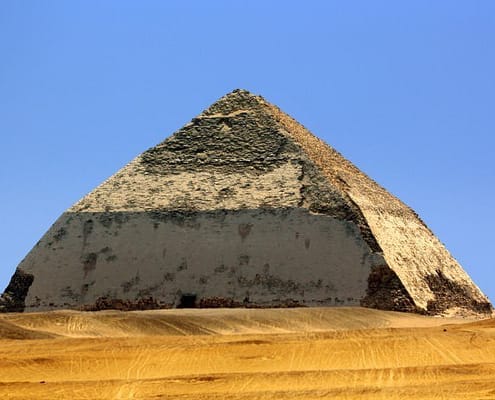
[[301, 353]]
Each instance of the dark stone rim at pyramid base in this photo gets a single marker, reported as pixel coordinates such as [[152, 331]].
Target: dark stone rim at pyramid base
[[12, 300]]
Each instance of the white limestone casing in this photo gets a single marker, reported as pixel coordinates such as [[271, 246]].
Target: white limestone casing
[[262, 256]]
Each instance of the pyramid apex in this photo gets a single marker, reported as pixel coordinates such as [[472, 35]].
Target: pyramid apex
[[236, 100], [242, 93]]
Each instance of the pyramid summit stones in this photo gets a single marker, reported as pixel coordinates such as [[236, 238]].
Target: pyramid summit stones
[[241, 207]]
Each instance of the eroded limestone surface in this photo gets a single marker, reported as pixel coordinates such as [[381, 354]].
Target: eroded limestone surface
[[252, 257], [241, 207]]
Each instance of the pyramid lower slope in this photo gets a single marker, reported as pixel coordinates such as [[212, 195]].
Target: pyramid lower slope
[[241, 207]]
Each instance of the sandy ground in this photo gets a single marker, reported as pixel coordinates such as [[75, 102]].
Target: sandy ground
[[337, 353]]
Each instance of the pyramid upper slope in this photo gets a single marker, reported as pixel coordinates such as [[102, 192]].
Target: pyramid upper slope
[[234, 155]]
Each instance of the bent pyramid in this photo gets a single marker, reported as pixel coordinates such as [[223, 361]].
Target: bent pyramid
[[241, 207]]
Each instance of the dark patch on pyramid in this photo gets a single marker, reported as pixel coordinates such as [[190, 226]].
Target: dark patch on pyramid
[[15, 293], [251, 142]]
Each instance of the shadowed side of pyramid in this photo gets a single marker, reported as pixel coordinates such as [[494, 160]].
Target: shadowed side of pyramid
[[241, 207]]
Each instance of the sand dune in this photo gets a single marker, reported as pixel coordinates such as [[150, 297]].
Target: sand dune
[[314, 353], [215, 321]]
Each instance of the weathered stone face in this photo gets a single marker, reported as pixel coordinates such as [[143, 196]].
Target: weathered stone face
[[241, 207], [267, 257]]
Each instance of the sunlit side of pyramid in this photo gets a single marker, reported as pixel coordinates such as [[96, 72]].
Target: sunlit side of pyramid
[[241, 207]]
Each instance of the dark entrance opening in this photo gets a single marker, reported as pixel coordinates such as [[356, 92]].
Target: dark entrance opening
[[187, 300]]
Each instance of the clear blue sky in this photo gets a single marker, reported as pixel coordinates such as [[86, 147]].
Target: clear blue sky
[[404, 89]]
